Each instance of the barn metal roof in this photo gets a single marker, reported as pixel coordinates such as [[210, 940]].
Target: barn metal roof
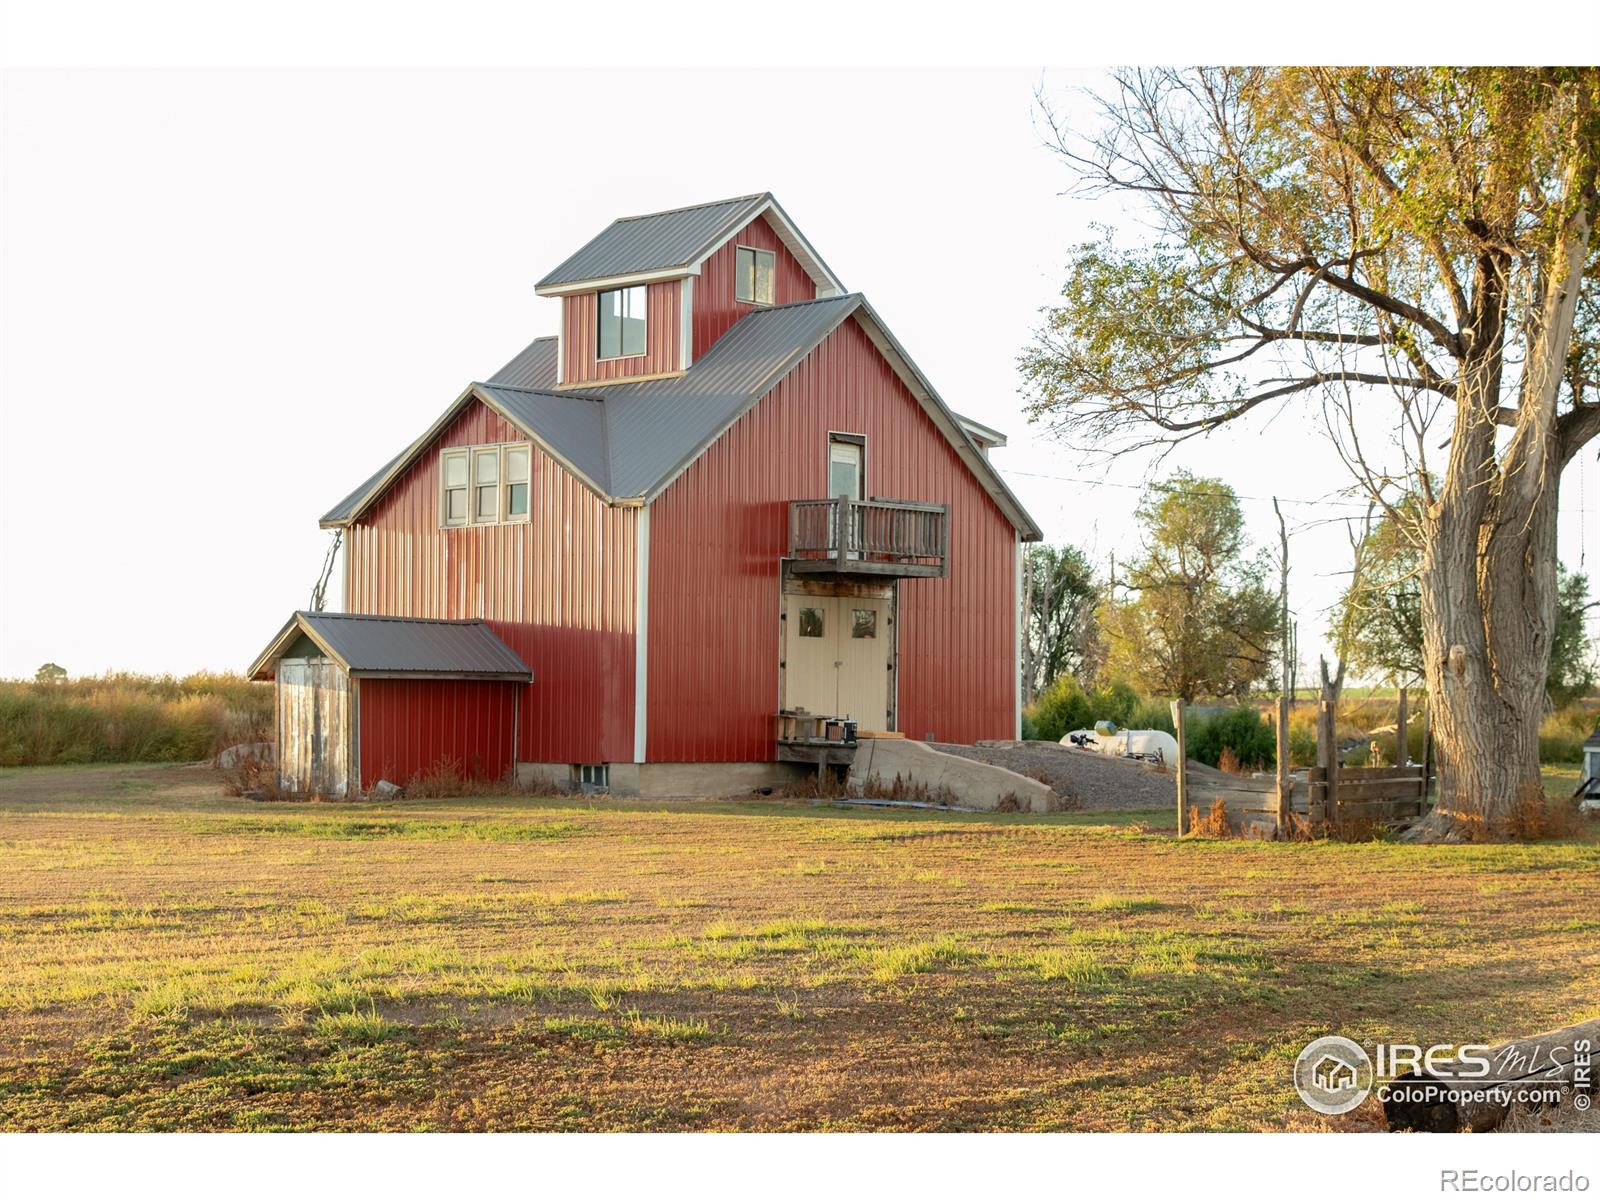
[[628, 441], [676, 242], [366, 645]]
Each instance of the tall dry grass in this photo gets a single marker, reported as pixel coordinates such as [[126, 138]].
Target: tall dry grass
[[130, 718]]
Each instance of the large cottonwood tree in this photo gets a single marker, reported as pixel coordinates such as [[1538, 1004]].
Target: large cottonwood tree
[[1414, 238]]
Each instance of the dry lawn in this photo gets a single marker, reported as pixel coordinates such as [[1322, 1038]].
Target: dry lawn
[[174, 959]]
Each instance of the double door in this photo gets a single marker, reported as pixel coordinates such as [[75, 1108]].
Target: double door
[[837, 657]]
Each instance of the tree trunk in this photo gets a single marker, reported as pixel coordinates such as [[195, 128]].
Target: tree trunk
[[1488, 615]]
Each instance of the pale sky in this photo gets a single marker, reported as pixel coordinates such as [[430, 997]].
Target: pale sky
[[228, 296]]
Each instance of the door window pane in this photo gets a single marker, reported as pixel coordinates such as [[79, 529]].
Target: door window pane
[[811, 622], [863, 622]]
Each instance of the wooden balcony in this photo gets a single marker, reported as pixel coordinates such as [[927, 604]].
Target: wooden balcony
[[869, 537]]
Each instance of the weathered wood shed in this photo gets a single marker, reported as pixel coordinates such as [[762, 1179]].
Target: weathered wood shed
[[362, 698]]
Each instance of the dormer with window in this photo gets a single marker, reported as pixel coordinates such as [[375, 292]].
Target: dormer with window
[[650, 295]]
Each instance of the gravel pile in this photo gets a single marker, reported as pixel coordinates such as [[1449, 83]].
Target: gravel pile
[[1085, 780]]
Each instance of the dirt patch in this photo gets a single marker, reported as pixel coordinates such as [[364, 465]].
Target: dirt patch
[[1089, 781]]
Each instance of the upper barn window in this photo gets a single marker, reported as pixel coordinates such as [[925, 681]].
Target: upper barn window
[[484, 485], [621, 330], [752, 272]]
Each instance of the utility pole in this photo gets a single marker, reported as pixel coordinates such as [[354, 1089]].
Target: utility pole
[[1284, 815]]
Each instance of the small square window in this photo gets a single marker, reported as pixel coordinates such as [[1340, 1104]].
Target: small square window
[[863, 622], [811, 622], [594, 775], [753, 270]]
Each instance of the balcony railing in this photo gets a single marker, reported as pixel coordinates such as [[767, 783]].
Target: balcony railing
[[869, 537]]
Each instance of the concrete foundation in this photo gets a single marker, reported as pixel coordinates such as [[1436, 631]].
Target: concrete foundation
[[676, 780], [948, 778]]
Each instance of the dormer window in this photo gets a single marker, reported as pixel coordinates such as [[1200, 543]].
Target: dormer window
[[621, 331], [753, 275]]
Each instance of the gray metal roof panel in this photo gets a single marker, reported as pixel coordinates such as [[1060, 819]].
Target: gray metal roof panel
[[570, 425], [346, 508], [412, 646], [657, 427], [533, 367], [655, 242], [630, 440]]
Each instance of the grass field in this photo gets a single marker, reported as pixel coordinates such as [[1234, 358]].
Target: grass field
[[174, 959]]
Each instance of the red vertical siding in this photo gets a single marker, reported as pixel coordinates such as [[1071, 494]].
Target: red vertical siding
[[559, 590], [718, 532], [663, 333], [412, 727], [715, 308]]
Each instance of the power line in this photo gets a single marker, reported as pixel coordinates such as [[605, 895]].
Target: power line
[[1181, 491], [1140, 487]]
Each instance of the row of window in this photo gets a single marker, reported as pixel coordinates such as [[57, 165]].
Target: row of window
[[484, 485], [620, 324]]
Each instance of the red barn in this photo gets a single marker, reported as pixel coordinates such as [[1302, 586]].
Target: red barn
[[722, 491]]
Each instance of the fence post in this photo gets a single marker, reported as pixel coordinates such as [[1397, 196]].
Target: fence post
[[1183, 769], [1285, 784], [1402, 751], [1330, 756]]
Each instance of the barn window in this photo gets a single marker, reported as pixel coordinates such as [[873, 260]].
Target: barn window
[[811, 622], [485, 485], [516, 482], [753, 275], [621, 329], [863, 622], [455, 489]]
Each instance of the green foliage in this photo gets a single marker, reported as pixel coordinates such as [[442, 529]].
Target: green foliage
[[1562, 734], [1061, 597], [1201, 622], [130, 718], [1065, 706], [1377, 624], [1241, 730]]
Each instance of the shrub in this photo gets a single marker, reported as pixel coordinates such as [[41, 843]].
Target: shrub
[[1065, 706], [130, 718], [1240, 731], [1562, 734]]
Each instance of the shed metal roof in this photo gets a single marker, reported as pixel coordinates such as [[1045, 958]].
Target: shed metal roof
[[629, 441], [366, 645], [676, 242]]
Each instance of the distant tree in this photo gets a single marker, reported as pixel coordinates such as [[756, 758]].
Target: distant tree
[[1377, 624], [1201, 621], [1060, 596], [50, 673]]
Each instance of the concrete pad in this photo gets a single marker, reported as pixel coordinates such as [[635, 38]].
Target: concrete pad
[[947, 777]]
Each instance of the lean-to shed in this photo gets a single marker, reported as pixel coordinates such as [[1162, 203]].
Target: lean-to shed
[[362, 698]]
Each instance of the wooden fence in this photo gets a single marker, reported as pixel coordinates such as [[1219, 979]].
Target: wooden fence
[[1326, 796]]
